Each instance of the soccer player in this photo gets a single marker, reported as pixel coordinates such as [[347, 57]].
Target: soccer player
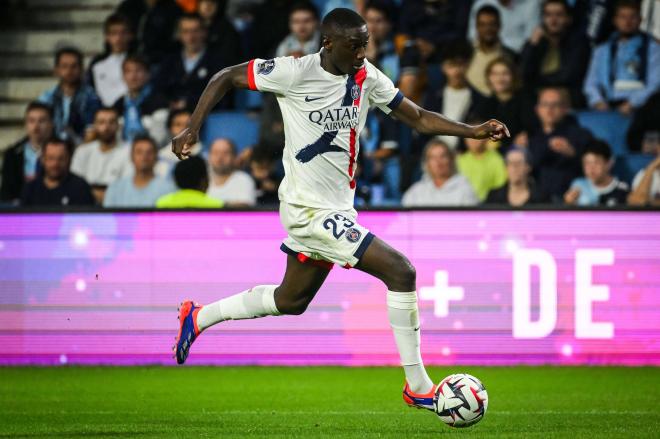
[[324, 98]]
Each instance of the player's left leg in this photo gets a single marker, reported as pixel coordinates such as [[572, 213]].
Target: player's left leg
[[398, 274]]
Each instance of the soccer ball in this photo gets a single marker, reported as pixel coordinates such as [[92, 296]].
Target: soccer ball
[[460, 400]]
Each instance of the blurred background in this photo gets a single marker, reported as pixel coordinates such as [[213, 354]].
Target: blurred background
[[91, 93], [576, 81]]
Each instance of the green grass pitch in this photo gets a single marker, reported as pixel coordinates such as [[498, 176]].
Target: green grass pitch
[[245, 402]]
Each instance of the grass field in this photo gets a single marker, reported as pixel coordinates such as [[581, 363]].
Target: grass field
[[194, 402]]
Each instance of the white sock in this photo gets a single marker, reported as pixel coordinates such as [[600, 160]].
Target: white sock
[[255, 302], [404, 319]]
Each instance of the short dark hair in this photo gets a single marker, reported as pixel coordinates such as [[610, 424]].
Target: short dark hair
[[106, 109], [628, 4], [306, 7], [564, 3], [36, 105], [191, 16], [339, 20], [68, 51], [262, 154], [68, 145], [598, 147], [136, 59], [174, 114], [490, 10], [457, 50], [144, 137], [114, 20], [190, 173]]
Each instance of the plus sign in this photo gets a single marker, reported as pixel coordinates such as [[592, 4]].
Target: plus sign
[[441, 293]]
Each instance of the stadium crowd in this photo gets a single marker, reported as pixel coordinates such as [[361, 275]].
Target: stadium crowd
[[576, 81]]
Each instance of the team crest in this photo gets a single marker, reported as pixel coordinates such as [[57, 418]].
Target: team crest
[[353, 235], [265, 67], [355, 92]]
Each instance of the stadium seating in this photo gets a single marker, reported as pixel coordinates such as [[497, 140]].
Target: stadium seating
[[239, 126], [248, 100], [609, 126]]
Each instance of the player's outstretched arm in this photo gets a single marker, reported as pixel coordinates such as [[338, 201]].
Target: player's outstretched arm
[[218, 86], [428, 122]]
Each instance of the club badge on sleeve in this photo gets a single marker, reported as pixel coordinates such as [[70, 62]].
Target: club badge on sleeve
[[265, 67]]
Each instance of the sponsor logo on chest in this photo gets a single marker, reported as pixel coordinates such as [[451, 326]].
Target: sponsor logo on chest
[[334, 119], [343, 114]]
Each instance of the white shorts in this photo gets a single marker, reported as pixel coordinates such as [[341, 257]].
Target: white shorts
[[323, 236]]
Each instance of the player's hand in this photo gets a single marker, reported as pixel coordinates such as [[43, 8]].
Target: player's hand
[[183, 143], [493, 130]]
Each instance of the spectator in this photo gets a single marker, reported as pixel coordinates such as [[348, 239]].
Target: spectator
[[646, 184], [456, 99], [153, 22], [228, 184], [426, 26], [380, 49], [440, 185], [73, 102], [507, 102], [625, 71], [644, 130], [263, 170], [142, 109], [56, 186], [487, 48], [105, 159], [520, 189], [222, 35], [556, 55], [143, 188], [519, 19], [176, 122], [482, 166], [21, 160], [598, 187], [183, 75], [305, 37], [192, 179], [105, 70], [557, 147]]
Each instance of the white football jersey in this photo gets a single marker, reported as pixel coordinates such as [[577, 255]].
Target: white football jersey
[[323, 115]]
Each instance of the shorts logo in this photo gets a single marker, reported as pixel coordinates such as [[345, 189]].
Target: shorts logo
[[355, 92], [353, 235], [264, 68]]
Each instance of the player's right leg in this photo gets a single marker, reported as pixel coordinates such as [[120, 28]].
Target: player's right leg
[[298, 288]]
